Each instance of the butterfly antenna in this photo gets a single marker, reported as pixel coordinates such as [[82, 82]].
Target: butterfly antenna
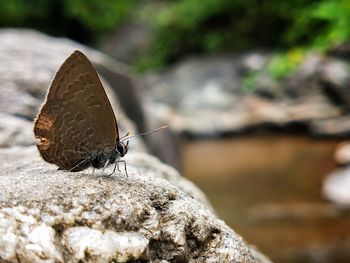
[[126, 137]]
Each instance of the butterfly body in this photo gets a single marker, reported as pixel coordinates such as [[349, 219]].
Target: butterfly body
[[76, 125], [101, 159]]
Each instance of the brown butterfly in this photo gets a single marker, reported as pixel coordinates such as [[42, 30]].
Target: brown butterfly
[[76, 125]]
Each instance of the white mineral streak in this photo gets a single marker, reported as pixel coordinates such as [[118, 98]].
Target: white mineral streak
[[8, 239], [86, 243], [128, 245], [42, 240], [17, 229]]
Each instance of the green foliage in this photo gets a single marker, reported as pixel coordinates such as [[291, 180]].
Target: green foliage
[[98, 16], [277, 67], [86, 19], [204, 26], [250, 81], [18, 12], [284, 63], [184, 27], [322, 23]]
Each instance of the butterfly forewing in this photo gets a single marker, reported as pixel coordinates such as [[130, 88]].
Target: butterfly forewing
[[76, 120]]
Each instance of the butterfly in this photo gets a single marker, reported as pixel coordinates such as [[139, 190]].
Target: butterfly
[[76, 125]]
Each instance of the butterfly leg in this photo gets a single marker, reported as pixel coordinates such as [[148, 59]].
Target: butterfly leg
[[104, 167], [124, 162], [115, 166]]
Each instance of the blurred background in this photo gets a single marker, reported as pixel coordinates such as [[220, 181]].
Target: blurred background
[[256, 95]]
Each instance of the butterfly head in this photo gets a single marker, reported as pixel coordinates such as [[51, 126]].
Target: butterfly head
[[122, 148]]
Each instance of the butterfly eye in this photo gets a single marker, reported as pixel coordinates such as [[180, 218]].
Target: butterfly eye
[[119, 148], [122, 149]]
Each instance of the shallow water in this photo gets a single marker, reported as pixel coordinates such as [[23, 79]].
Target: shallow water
[[268, 189]]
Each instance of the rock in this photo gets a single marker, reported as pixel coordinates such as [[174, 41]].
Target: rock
[[47, 215], [304, 76], [58, 216], [335, 80], [207, 96], [334, 127], [128, 42], [15, 131], [323, 75], [169, 153], [336, 187], [342, 153], [341, 50]]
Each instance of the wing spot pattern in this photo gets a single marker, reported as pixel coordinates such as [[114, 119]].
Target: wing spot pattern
[[44, 122], [91, 101], [44, 143]]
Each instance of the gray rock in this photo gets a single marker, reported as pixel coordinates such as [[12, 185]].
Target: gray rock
[[335, 79], [342, 153], [336, 187], [326, 75], [128, 42], [206, 96], [15, 131], [55, 216], [336, 127], [341, 50]]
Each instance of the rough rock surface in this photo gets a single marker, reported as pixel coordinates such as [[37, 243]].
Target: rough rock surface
[[47, 215], [15, 131], [56, 216], [208, 96]]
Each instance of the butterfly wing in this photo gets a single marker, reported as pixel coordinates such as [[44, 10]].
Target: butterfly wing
[[77, 119]]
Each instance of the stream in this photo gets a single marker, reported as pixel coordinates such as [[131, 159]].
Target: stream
[[267, 187]]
